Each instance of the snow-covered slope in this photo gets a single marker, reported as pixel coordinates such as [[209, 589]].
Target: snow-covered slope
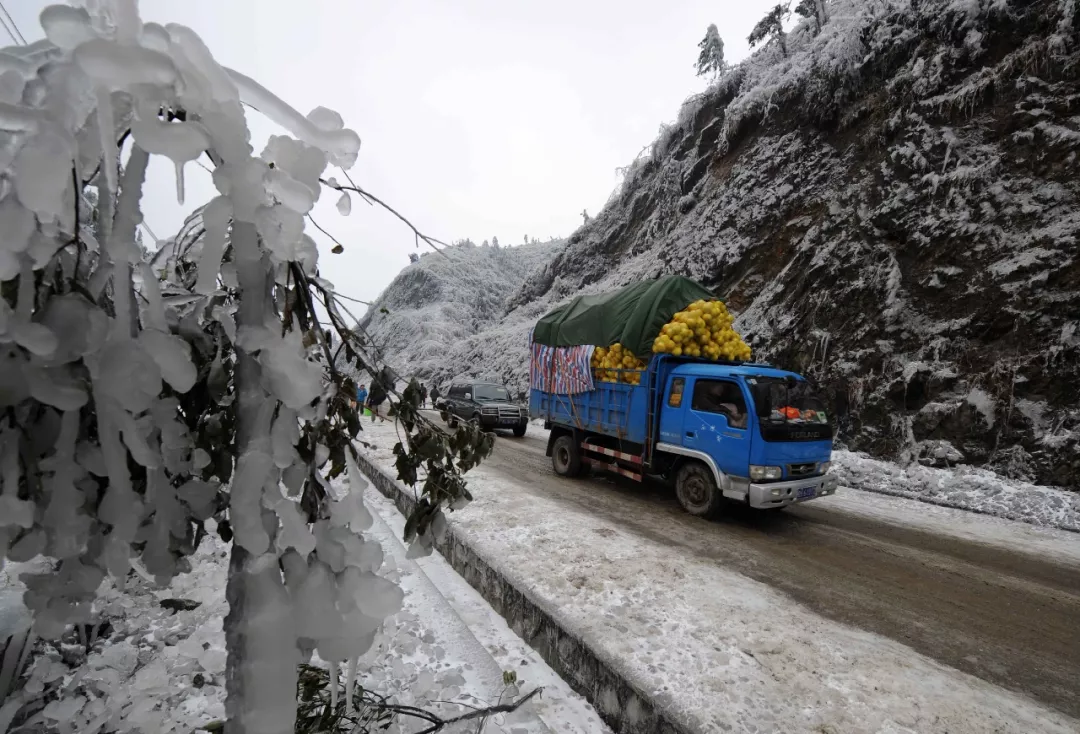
[[436, 305]]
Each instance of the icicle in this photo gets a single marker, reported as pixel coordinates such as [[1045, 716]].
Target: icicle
[[123, 233], [350, 684], [179, 182], [107, 128], [334, 680], [216, 218], [155, 311]]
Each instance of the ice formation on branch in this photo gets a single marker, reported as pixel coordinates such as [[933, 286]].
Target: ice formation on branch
[[141, 399]]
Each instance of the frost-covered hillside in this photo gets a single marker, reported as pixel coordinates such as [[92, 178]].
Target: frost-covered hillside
[[436, 304], [891, 208]]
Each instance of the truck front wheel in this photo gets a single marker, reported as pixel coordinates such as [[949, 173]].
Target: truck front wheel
[[566, 457], [697, 491]]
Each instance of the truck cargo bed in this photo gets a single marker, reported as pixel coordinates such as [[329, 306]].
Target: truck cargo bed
[[612, 409]]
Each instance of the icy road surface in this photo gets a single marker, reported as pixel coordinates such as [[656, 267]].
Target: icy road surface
[[995, 599]]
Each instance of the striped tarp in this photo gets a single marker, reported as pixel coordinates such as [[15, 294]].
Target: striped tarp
[[561, 370]]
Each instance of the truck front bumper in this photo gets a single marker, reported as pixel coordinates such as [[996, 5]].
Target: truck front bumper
[[781, 494]]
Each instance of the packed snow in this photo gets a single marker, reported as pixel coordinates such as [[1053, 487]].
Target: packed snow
[[155, 669], [716, 649]]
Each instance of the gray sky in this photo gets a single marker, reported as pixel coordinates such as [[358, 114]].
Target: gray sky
[[478, 117]]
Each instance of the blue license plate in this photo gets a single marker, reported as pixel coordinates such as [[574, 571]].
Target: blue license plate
[[805, 492], [509, 421]]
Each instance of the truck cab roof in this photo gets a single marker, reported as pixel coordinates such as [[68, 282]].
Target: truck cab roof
[[747, 369]]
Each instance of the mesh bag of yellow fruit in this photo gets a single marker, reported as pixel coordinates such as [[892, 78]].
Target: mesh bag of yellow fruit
[[703, 329], [610, 364]]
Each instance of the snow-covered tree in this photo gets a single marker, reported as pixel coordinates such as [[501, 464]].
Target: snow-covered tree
[[414, 257], [711, 58], [147, 403], [585, 219], [814, 11], [495, 242], [771, 28]]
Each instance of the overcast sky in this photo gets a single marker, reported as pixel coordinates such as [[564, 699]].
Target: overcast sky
[[479, 118]]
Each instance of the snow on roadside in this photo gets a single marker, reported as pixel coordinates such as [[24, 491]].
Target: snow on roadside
[[717, 650], [964, 488], [559, 706], [1060, 545], [159, 671]]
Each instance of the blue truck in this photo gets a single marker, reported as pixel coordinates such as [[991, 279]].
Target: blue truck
[[721, 432]]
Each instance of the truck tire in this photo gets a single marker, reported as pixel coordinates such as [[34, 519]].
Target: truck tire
[[566, 457], [519, 431], [697, 492]]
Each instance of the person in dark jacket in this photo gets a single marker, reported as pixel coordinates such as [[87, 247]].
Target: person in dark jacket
[[423, 395], [435, 396], [380, 391]]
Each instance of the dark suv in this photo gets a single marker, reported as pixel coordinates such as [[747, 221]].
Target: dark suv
[[486, 403]]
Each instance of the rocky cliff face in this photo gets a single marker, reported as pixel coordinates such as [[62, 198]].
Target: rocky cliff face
[[893, 210]]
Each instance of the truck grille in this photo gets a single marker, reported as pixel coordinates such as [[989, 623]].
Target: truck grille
[[802, 470], [509, 413]]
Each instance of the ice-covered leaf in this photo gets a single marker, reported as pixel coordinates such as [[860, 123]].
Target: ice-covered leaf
[[373, 595], [55, 386], [78, 325], [283, 437], [16, 512], [173, 357], [199, 496], [65, 26], [120, 66], [128, 374], [294, 531], [344, 204], [290, 376], [17, 223], [325, 119]]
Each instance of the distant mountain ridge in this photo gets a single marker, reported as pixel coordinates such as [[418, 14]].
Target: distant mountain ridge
[[434, 306]]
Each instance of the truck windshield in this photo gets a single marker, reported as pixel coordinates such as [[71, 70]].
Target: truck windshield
[[789, 410], [484, 393]]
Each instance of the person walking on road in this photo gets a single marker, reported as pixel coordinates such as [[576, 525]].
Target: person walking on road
[[435, 397], [380, 391], [361, 396], [423, 395]]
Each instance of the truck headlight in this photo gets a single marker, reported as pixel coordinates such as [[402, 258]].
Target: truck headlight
[[825, 466], [759, 473]]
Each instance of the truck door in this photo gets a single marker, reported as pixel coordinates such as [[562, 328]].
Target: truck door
[[717, 423], [671, 412]]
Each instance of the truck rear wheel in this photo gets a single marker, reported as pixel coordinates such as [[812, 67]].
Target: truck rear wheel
[[566, 457], [697, 491]]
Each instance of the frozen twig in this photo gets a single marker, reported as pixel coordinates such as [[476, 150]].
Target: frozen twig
[[430, 241]]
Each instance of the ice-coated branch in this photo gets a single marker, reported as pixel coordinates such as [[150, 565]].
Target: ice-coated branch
[[503, 708], [429, 241]]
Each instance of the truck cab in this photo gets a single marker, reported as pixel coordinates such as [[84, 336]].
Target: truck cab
[[762, 433]]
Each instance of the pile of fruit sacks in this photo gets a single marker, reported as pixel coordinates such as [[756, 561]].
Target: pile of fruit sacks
[[607, 361], [702, 329]]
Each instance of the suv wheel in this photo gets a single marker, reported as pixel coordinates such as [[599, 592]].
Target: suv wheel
[[519, 431]]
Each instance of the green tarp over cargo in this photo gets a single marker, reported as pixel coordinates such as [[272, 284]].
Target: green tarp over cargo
[[631, 316]]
